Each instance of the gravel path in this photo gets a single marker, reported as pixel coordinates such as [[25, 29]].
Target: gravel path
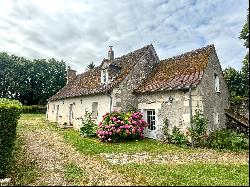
[[51, 153], [209, 156]]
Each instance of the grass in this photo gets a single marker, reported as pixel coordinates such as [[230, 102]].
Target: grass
[[22, 169], [188, 175], [74, 174], [142, 174], [92, 146]]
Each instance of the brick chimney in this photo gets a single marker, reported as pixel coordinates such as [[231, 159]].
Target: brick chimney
[[110, 53], [71, 74]]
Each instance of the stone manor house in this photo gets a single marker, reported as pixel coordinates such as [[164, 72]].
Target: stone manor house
[[169, 89]]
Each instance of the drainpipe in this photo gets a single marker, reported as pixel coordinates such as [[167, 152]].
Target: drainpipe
[[191, 115], [110, 101]]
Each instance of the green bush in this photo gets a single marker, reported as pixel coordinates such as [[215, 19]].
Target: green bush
[[34, 109], [198, 133], [227, 139], [178, 138], [9, 114], [88, 127]]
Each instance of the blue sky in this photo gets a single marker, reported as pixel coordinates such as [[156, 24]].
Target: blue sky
[[81, 31]]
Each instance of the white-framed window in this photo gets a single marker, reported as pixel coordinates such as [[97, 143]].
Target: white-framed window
[[216, 83], [151, 119], [104, 76], [94, 110]]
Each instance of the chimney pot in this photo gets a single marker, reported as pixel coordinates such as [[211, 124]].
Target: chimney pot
[[71, 74], [110, 53]]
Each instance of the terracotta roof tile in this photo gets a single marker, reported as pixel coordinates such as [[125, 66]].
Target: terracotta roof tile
[[178, 72], [90, 82]]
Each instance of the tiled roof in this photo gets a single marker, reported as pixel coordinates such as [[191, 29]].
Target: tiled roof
[[178, 72], [90, 82]]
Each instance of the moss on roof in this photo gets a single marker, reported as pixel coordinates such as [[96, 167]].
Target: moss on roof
[[178, 72]]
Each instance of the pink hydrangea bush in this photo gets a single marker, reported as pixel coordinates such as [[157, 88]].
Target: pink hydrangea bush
[[118, 126]]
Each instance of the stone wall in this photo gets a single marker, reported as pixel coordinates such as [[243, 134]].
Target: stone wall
[[241, 107], [204, 97], [214, 103], [136, 77], [177, 112]]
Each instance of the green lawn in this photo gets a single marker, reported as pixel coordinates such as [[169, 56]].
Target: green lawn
[[146, 173]]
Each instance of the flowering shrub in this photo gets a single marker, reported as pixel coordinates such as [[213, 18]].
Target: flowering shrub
[[116, 127]]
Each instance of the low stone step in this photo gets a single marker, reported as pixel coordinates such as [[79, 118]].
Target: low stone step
[[65, 126]]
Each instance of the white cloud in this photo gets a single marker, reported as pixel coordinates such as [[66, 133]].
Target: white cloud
[[81, 31]]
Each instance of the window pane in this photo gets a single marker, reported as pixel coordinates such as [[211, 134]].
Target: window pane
[[151, 119]]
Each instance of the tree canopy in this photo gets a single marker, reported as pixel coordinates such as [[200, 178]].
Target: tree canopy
[[238, 81], [30, 81], [244, 34]]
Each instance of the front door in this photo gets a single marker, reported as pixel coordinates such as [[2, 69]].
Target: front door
[[150, 131], [71, 114]]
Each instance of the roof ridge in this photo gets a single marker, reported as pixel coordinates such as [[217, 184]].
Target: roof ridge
[[131, 53], [183, 55]]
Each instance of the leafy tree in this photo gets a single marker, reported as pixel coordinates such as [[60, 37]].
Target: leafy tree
[[244, 34], [30, 81], [234, 82], [238, 81], [245, 75], [90, 66]]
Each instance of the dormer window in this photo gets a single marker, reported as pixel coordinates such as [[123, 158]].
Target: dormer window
[[216, 83], [104, 76]]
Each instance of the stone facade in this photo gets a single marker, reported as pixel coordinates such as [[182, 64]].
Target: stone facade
[[177, 111], [140, 81], [214, 103], [135, 78], [204, 97]]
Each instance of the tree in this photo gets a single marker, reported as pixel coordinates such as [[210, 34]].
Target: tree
[[233, 79], [30, 81], [244, 35], [90, 66], [238, 81]]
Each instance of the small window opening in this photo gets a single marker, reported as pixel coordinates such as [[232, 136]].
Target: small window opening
[[217, 83], [104, 76], [94, 110]]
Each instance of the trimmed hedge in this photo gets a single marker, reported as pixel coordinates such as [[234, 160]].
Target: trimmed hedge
[[34, 109], [9, 114]]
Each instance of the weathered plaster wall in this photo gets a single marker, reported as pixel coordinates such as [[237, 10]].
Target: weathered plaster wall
[[80, 104], [177, 112], [213, 103]]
